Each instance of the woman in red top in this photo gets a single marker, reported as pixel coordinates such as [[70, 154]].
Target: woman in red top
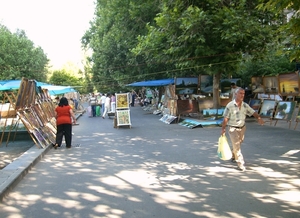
[[64, 118]]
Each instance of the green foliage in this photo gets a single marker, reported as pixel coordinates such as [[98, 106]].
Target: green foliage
[[112, 35], [61, 77], [289, 31], [20, 58], [206, 37], [271, 65]]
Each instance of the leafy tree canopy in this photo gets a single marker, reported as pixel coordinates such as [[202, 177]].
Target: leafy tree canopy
[[288, 33], [20, 58]]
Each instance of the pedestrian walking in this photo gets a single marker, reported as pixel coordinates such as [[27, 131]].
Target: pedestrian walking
[[113, 103], [93, 104], [102, 100], [107, 105], [64, 119], [234, 87], [234, 117]]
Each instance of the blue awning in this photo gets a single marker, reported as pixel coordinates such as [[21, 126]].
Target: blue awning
[[161, 82], [6, 85]]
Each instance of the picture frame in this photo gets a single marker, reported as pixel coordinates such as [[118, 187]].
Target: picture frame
[[21, 94], [123, 117], [284, 110], [206, 84], [270, 84], [122, 101], [267, 108], [257, 84], [288, 84], [189, 123], [213, 113], [255, 104], [186, 85], [187, 106]]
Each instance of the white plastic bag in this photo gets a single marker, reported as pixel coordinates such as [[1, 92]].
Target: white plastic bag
[[224, 151]]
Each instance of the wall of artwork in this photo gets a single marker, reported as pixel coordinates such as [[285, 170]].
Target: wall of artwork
[[285, 85]]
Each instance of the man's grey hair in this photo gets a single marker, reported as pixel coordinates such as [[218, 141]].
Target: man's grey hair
[[238, 89]]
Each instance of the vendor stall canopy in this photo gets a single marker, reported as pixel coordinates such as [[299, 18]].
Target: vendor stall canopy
[[161, 82], [6, 85]]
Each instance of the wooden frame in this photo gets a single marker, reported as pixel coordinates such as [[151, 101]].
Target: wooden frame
[[270, 84], [257, 84], [122, 101], [255, 104], [187, 106], [288, 84], [206, 83], [123, 117], [267, 108], [285, 110], [186, 85], [21, 94], [297, 120]]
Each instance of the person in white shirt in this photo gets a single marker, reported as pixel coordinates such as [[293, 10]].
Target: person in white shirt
[[107, 105], [93, 103], [102, 100], [234, 87]]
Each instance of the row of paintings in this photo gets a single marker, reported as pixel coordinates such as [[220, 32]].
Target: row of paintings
[[285, 84], [201, 85], [36, 111], [282, 110]]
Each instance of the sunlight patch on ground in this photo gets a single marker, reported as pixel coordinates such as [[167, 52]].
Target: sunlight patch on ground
[[290, 153], [105, 191]]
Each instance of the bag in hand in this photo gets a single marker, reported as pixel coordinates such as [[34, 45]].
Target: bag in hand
[[224, 151]]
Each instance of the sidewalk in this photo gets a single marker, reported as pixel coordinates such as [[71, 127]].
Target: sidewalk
[[13, 172], [158, 170]]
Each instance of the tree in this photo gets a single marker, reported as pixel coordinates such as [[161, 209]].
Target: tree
[[112, 35], [288, 33], [208, 37], [20, 58]]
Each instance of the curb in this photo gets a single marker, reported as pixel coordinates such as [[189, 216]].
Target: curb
[[13, 173]]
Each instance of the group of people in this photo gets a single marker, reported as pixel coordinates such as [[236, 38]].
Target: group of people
[[106, 102], [235, 114]]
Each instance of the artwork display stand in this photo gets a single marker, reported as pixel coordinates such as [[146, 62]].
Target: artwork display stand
[[10, 114], [284, 111], [35, 109], [267, 109], [122, 115]]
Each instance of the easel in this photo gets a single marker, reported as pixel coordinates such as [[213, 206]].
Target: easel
[[11, 114]]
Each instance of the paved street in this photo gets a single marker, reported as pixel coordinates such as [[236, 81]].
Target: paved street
[[158, 170]]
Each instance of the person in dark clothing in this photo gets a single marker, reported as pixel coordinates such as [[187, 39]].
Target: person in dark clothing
[[64, 118], [133, 95]]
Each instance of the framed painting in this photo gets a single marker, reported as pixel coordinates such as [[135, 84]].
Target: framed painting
[[288, 84], [257, 84], [123, 117], [267, 108], [187, 106], [122, 101], [213, 113], [186, 85], [285, 110], [270, 84], [255, 104], [206, 84], [21, 93]]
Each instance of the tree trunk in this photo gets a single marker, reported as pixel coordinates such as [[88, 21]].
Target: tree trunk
[[216, 90]]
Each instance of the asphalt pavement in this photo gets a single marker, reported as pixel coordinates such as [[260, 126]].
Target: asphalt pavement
[[155, 170]]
